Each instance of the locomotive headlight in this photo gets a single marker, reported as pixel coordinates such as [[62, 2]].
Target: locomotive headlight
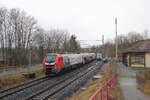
[[52, 63], [46, 63], [49, 63]]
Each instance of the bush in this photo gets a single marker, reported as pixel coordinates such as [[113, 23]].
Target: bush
[[143, 76]]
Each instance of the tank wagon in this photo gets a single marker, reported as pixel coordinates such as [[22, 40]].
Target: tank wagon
[[54, 63]]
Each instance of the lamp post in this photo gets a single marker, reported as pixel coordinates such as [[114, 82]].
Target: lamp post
[[116, 39]]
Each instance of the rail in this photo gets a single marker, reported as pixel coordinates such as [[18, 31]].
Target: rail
[[103, 93]]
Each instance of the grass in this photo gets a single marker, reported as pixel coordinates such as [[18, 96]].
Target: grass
[[10, 80], [93, 85], [116, 92], [19, 68], [145, 87], [143, 78]]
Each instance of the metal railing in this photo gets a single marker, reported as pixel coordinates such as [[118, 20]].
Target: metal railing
[[103, 93]]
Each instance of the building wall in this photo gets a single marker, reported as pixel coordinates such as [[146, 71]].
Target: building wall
[[147, 60], [137, 65]]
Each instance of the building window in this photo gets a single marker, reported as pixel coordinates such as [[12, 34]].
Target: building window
[[137, 59]]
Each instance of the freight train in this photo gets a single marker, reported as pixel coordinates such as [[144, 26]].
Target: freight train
[[54, 63]]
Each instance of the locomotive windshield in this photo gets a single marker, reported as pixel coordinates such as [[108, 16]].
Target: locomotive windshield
[[50, 58]]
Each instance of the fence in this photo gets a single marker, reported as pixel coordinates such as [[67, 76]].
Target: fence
[[103, 93]]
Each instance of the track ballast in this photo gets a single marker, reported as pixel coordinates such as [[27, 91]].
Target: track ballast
[[51, 87]]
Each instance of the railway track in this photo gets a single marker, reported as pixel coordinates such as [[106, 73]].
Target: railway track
[[17, 88], [44, 88], [56, 88]]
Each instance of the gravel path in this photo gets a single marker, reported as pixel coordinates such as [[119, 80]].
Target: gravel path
[[128, 84]]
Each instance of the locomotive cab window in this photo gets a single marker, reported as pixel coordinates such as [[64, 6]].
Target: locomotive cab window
[[50, 58]]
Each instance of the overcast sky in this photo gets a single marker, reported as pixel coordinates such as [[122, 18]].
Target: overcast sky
[[88, 19]]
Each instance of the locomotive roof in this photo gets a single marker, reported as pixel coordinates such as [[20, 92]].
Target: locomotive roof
[[70, 54], [51, 54]]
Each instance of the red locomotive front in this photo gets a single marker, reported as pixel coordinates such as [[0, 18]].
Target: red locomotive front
[[52, 63]]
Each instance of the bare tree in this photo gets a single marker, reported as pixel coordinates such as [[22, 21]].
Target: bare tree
[[17, 30], [74, 45]]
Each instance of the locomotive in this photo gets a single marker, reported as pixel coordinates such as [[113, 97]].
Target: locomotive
[[54, 63]]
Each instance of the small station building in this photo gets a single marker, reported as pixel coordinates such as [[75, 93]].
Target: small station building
[[138, 55]]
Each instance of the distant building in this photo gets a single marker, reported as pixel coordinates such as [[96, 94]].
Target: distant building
[[137, 55]]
